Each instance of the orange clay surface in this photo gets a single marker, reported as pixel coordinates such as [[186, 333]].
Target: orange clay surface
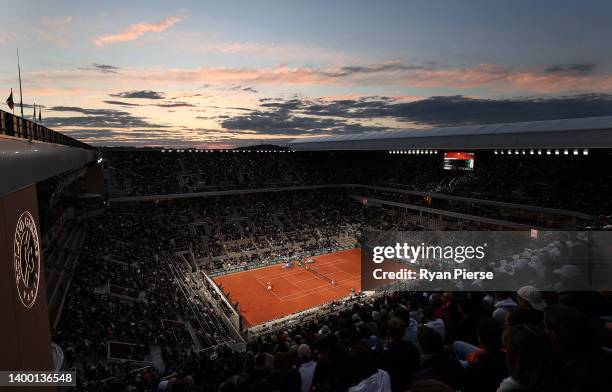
[[293, 289]]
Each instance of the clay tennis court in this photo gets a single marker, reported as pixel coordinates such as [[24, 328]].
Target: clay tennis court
[[293, 289]]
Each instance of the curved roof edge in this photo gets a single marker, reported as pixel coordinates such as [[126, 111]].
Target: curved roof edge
[[588, 132], [24, 162]]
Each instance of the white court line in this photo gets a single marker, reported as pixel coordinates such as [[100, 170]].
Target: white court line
[[284, 278], [304, 292], [272, 291], [314, 290]]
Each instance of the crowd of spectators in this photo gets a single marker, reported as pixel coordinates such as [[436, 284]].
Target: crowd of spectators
[[140, 280], [403, 341], [128, 289], [579, 183]]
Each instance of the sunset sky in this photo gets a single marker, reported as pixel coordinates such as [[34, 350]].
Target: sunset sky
[[219, 73]]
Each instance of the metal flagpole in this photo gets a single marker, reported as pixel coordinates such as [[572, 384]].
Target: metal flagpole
[[20, 92]]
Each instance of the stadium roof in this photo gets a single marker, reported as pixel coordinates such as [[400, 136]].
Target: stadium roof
[[24, 162], [589, 132]]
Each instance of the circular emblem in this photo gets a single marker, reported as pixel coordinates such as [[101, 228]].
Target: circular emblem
[[27, 259]]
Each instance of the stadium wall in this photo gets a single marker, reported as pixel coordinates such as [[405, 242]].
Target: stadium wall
[[24, 330]]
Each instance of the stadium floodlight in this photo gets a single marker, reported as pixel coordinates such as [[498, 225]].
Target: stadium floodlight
[[585, 151]]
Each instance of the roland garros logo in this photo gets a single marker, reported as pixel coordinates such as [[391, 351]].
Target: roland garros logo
[[27, 259]]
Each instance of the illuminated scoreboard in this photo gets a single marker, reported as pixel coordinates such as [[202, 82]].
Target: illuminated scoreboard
[[458, 161]]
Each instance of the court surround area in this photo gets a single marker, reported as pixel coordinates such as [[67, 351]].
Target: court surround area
[[292, 289]]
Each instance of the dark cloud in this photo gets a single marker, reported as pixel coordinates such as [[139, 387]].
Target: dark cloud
[[103, 68], [453, 110], [88, 133], [302, 116], [97, 118], [121, 103], [186, 96], [457, 110], [149, 94], [29, 105], [572, 69], [174, 104], [247, 89], [376, 68], [278, 122]]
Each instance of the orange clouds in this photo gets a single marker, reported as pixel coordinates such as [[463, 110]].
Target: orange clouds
[[135, 31], [491, 79], [485, 76]]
